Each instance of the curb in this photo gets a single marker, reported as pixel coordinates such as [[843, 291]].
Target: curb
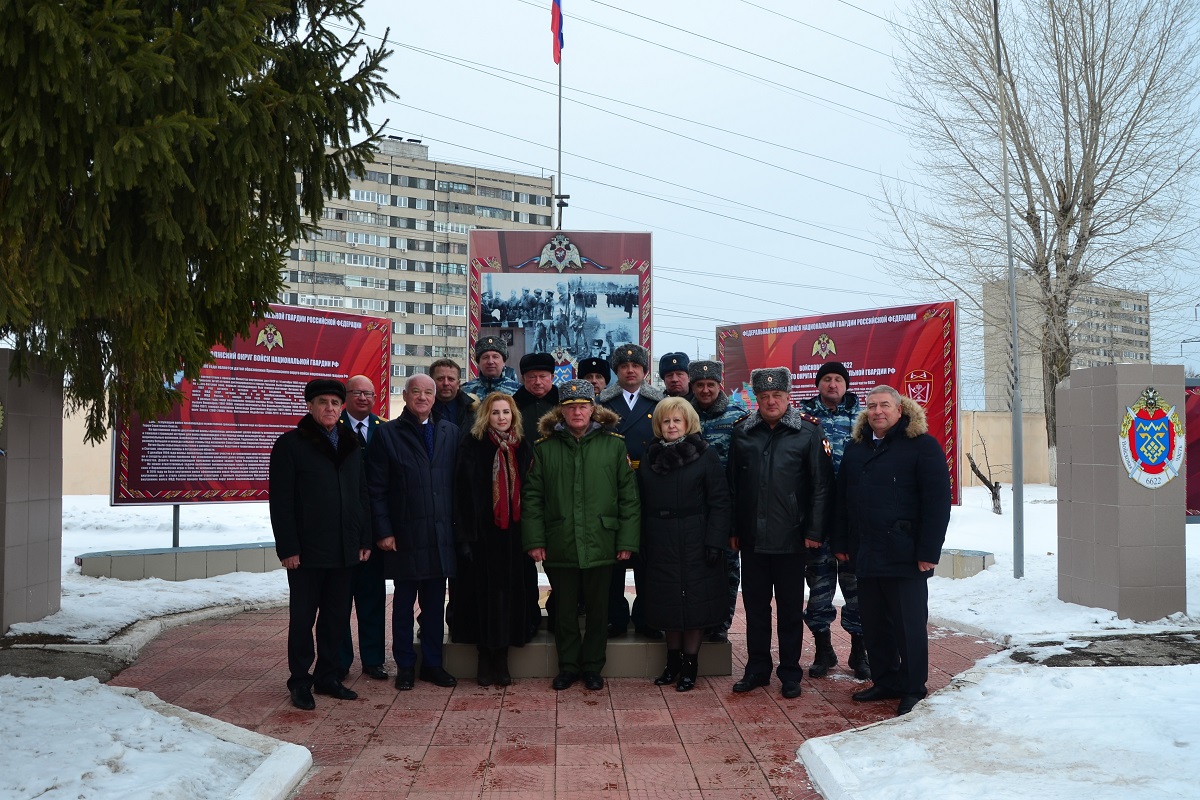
[[280, 772]]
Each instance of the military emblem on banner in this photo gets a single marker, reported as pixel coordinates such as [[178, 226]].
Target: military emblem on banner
[[1150, 441], [918, 385], [560, 253], [823, 346], [270, 336], [565, 367]]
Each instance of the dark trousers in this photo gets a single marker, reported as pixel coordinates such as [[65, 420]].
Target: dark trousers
[[430, 594], [823, 575], [895, 615], [619, 613], [370, 601], [782, 576], [319, 597], [581, 652]]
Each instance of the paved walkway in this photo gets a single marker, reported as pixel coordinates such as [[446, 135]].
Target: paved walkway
[[630, 740]]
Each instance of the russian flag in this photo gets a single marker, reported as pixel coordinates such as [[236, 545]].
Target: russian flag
[[556, 27]]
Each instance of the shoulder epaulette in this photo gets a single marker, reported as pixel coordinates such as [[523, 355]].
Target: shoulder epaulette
[[804, 415], [741, 419], [543, 439], [614, 433]]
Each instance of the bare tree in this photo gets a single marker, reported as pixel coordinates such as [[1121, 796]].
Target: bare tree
[[1103, 152]]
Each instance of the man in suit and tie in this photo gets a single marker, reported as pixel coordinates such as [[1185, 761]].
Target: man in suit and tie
[[633, 400], [370, 594]]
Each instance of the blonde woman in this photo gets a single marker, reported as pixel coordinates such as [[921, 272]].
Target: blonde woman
[[686, 514]]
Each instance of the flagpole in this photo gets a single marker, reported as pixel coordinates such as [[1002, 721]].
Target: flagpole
[[558, 178]]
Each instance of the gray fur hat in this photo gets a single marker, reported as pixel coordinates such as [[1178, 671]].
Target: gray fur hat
[[630, 352], [771, 379], [576, 391], [706, 371], [494, 343]]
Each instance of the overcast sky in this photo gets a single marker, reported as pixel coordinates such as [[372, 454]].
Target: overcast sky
[[748, 136]]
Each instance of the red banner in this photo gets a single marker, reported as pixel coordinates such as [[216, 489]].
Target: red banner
[[1191, 426], [568, 293], [913, 349], [216, 445]]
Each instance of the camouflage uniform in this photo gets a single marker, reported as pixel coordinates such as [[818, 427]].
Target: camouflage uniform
[[822, 572], [481, 387], [716, 426]]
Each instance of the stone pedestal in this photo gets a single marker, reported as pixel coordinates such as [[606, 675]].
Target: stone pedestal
[[30, 496], [1120, 543]]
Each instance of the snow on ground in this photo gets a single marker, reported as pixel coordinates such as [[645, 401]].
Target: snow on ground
[[79, 739], [1018, 731]]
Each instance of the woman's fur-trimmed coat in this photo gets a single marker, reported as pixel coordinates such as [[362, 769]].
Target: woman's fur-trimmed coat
[[686, 510]]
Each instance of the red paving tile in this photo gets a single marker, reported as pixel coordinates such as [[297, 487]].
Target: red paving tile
[[629, 741]]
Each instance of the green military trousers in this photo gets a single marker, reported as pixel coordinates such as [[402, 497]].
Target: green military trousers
[[580, 653]]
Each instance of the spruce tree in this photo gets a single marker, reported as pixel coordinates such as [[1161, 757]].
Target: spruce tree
[[156, 160]]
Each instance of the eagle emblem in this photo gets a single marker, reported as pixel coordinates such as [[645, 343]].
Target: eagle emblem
[[270, 336], [824, 346], [560, 254], [1150, 440]]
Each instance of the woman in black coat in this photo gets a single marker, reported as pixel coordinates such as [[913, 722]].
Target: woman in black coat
[[686, 515], [496, 579]]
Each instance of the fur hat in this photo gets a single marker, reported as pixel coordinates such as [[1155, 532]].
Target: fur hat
[[835, 367], [319, 386], [631, 353], [494, 343], [597, 365], [673, 362], [576, 391], [706, 371], [531, 362], [771, 379]]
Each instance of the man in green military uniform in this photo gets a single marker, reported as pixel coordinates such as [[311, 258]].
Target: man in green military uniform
[[581, 517]]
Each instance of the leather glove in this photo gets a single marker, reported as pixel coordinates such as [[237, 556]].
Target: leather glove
[[712, 555]]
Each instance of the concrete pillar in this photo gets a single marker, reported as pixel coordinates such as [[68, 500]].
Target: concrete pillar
[[1121, 535], [30, 495]]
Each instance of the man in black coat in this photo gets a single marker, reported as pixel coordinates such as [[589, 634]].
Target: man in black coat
[[452, 403], [781, 477], [538, 395], [633, 400], [318, 507], [893, 510], [410, 478], [370, 593]]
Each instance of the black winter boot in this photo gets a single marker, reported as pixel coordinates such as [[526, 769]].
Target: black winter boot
[[671, 671], [500, 671], [688, 666], [825, 657], [483, 667], [858, 658]]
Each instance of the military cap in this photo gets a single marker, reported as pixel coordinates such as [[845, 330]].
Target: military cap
[[631, 353], [493, 343], [319, 386], [532, 362], [706, 371], [771, 379], [576, 391], [673, 362], [597, 365]]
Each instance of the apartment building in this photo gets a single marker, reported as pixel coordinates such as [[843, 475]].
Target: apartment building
[[1108, 326], [396, 246]]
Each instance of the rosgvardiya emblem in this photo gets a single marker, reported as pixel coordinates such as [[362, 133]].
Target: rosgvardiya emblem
[[560, 253], [1151, 441], [823, 346], [270, 336]]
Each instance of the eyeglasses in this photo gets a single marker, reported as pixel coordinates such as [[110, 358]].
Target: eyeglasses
[[360, 393]]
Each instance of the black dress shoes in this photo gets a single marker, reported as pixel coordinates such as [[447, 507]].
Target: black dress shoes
[[563, 680], [872, 693], [593, 681], [438, 677], [717, 636], [336, 689], [404, 678], [907, 704], [302, 698], [750, 682], [790, 690], [650, 633], [377, 672], [616, 631]]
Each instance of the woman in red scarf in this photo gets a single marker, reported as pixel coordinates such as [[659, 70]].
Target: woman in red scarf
[[495, 576]]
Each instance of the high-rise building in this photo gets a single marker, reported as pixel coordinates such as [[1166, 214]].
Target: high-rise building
[[396, 246], [1107, 326]]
